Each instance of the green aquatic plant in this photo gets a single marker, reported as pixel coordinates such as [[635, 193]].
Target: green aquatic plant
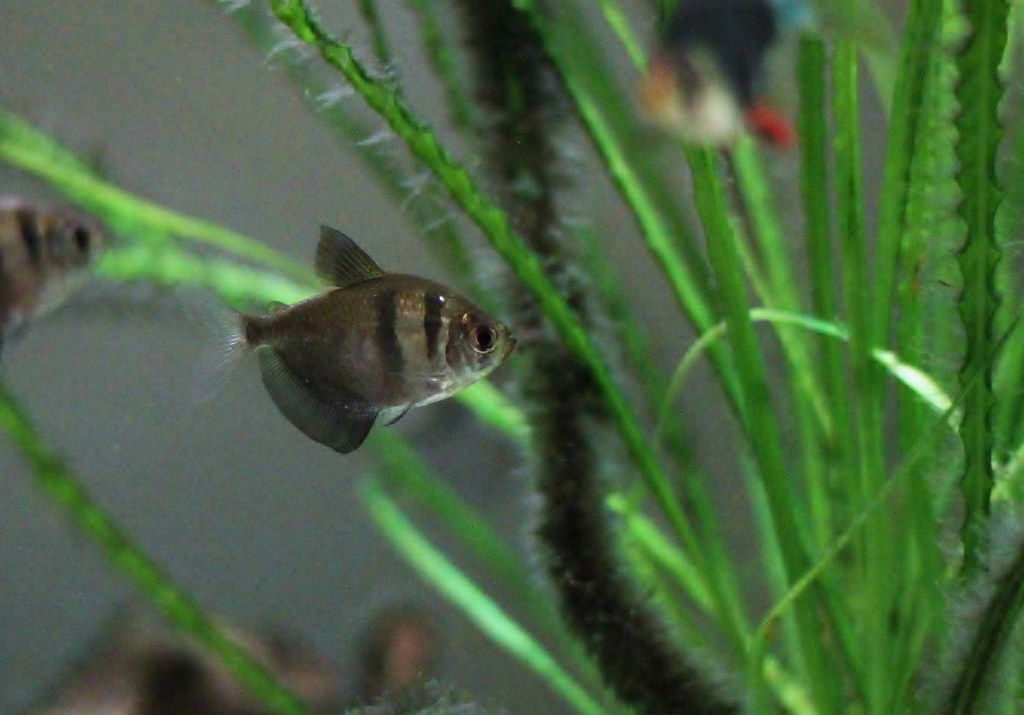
[[842, 439]]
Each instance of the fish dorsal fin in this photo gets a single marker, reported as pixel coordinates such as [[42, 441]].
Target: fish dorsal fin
[[275, 306], [340, 262], [341, 427]]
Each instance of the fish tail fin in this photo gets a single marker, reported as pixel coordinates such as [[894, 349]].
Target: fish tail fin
[[225, 343]]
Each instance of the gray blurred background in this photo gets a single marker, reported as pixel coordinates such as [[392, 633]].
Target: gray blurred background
[[170, 101]]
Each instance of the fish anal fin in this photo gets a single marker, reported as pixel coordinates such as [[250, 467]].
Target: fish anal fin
[[340, 262], [341, 427], [393, 414]]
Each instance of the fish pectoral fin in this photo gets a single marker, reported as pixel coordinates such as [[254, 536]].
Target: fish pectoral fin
[[341, 427], [340, 262], [393, 414]]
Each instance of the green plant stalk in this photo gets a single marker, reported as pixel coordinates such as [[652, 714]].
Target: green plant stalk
[[1009, 418], [878, 567], [597, 99], [765, 224], [649, 540], [815, 201], [451, 583], [814, 423], [443, 62], [60, 485], [495, 225], [154, 257], [443, 236], [652, 579], [978, 93], [921, 30], [927, 231], [913, 456], [920, 383], [494, 409], [593, 88], [775, 574], [757, 418], [632, 337], [720, 572], [26, 148], [378, 37], [169, 265], [403, 473]]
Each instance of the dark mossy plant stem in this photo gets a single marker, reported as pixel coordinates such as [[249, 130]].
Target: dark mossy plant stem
[[526, 105], [988, 645]]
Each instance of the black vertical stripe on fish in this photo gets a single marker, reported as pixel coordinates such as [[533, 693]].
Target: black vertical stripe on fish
[[28, 227], [386, 305], [433, 303]]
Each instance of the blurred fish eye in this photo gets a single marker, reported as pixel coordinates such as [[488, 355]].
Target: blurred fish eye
[[483, 338], [82, 238]]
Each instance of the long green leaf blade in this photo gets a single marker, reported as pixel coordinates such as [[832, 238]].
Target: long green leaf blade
[[449, 581], [60, 485]]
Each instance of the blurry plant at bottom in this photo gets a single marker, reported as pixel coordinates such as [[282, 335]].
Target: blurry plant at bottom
[[857, 447]]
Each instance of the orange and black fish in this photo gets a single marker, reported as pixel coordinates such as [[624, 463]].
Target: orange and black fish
[[705, 79], [378, 343], [43, 254]]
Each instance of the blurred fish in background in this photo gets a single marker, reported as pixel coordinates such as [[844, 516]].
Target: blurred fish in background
[[43, 256], [141, 667], [706, 79], [399, 653], [378, 343]]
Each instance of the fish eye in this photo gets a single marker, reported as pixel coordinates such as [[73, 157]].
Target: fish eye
[[483, 338]]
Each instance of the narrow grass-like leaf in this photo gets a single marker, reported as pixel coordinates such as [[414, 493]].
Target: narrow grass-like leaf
[[28, 149], [660, 551], [403, 473], [425, 211], [378, 35], [493, 221], [1009, 418], [815, 182], [493, 408], [918, 451], [593, 88], [924, 334], [442, 61], [758, 419], [877, 565], [152, 257], [978, 92], [63, 488], [921, 30], [169, 265], [914, 378], [766, 229], [453, 584]]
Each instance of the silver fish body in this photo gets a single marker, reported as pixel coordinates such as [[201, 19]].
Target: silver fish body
[[377, 343], [43, 254]]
